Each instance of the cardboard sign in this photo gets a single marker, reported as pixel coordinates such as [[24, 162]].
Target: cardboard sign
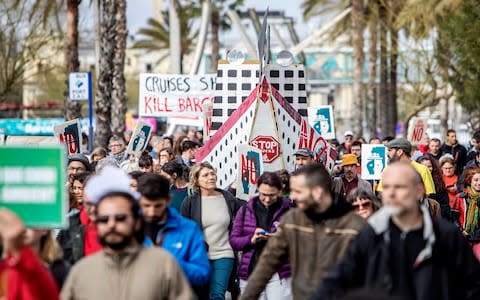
[[374, 160], [207, 120], [32, 184], [69, 133], [251, 167], [323, 151], [174, 95], [140, 137], [417, 131], [321, 119]]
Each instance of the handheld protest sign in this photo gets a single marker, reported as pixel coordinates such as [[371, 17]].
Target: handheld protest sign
[[69, 133], [140, 137], [207, 120], [374, 160], [250, 168], [321, 119], [33, 186], [163, 95], [417, 131]]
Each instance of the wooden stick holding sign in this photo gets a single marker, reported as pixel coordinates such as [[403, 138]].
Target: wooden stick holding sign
[[69, 133], [250, 168], [140, 137]]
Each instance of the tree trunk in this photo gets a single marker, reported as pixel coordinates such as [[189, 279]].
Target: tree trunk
[[104, 82], [73, 109], [372, 70], [392, 88], [383, 107], [119, 101], [358, 58], [215, 42]]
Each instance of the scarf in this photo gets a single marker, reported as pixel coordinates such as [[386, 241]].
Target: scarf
[[472, 213], [91, 244]]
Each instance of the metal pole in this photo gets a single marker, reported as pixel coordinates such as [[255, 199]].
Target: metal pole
[[97, 38], [90, 113]]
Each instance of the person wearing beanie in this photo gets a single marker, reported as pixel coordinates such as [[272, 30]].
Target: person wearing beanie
[[77, 163]]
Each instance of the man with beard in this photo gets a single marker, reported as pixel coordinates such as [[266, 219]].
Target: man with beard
[[124, 269], [400, 149], [314, 237], [405, 253], [166, 228], [349, 180]]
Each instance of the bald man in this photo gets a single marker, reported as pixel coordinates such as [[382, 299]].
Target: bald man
[[402, 252]]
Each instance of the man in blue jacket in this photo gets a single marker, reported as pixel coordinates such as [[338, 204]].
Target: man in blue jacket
[[166, 228]]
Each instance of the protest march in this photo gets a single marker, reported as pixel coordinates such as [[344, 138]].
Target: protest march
[[271, 197]]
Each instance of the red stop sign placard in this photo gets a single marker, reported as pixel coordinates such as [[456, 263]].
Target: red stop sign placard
[[269, 146]]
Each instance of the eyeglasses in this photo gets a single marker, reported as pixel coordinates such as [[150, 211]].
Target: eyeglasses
[[271, 196], [79, 169], [362, 204], [119, 218], [115, 145]]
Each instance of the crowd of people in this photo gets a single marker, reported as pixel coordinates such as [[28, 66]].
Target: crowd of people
[[157, 226]]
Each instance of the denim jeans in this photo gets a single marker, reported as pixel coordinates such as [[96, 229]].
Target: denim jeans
[[221, 269]]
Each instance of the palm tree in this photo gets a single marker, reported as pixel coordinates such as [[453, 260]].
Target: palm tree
[[358, 26], [119, 101], [156, 34], [73, 109], [371, 105], [220, 21], [103, 95]]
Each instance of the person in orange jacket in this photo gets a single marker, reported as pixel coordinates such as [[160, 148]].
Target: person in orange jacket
[[22, 275]]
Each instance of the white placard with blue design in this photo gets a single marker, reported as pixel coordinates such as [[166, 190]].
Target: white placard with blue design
[[140, 137], [250, 169], [374, 160], [321, 119]]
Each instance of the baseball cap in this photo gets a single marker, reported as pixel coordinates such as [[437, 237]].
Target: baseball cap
[[304, 152], [400, 143], [109, 180], [348, 132], [81, 158]]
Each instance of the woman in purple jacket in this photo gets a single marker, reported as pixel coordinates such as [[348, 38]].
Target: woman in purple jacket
[[253, 226]]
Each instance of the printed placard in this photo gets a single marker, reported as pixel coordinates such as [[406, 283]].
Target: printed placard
[[174, 95], [374, 160], [250, 168], [69, 133], [417, 131], [140, 137], [33, 186], [321, 119]]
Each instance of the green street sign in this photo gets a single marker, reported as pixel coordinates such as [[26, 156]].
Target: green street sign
[[32, 184]]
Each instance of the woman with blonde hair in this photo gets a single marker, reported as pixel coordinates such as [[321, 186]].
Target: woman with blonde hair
[[214, 210]]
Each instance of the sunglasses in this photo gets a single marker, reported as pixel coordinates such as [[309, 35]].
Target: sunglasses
[[119, 218], [362, 204]]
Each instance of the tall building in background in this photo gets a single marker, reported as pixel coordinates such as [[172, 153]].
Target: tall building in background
[[157, 7]]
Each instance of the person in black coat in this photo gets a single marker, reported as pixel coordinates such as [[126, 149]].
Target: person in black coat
[[404, 252]]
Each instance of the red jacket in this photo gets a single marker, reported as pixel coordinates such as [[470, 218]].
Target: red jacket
[[26, 278]]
